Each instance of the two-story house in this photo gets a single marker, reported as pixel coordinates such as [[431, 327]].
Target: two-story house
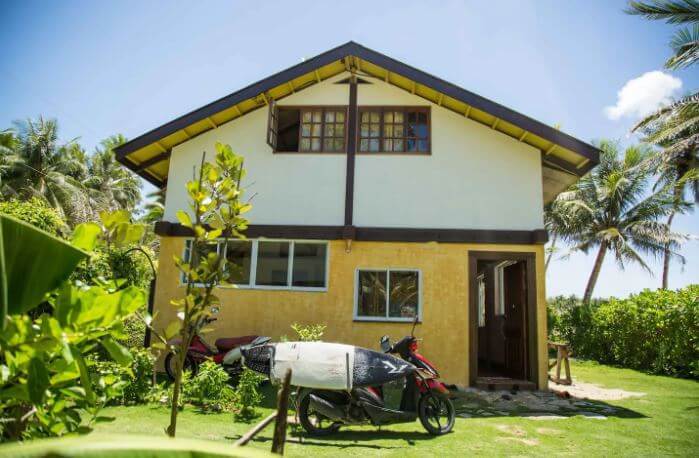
[[381, 193]]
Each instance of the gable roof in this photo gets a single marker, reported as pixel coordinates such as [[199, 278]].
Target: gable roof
[[565, 157]]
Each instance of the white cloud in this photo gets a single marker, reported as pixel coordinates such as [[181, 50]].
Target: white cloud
[[643, 95]]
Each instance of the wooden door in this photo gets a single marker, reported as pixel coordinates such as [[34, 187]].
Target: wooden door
[[515, 294]]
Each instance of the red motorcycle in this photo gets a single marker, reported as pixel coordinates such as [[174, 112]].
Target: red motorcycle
[[422, 396], [226, 352]]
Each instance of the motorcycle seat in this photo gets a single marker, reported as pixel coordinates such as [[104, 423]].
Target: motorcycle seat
[[229, 343]]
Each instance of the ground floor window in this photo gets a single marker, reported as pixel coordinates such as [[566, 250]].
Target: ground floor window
[[387, 294], [270, 264]]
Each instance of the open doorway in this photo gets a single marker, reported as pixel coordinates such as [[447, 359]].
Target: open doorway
[[503, 328]]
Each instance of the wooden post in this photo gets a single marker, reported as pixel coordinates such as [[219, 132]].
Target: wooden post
[[562, 355], [245, 438], [282, 411]]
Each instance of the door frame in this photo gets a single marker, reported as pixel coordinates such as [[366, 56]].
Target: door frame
[[530, 328]]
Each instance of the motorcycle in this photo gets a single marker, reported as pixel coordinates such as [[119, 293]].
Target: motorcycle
[[226, 352], [423, 396]]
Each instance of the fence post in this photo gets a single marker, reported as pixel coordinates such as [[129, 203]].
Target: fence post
[[282, 413]]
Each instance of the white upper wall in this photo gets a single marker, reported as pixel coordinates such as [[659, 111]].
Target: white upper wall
[[306, 189], [475, 178]]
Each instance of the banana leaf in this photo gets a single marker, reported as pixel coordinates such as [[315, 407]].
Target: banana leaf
[[32, 263], [124, 446]]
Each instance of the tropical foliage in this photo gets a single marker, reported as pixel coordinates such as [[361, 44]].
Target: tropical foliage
[[34, 164], [654, 331], [612, 210], [36, 212], [45, 384], [675, 128], [215, 212]]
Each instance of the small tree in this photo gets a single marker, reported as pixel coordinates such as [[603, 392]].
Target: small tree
[[216, 211]]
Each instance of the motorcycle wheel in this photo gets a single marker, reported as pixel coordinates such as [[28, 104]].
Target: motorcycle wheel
[[189, 365], [314, 423], [436, 414]]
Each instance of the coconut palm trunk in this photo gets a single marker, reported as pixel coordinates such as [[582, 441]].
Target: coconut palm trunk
[[666, 255], [552, 248], [592, 281]]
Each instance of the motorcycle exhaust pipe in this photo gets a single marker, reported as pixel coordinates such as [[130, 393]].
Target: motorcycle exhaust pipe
[[326, 408]]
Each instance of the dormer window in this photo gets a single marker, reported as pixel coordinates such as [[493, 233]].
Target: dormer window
[[394, 130]]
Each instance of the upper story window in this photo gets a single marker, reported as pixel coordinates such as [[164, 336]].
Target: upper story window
[[307, 129], [323, 129], [394, 130]]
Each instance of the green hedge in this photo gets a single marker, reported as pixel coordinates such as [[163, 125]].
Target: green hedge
[[653, 331], [36, 212]]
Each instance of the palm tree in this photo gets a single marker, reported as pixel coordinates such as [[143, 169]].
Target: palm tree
[[555, 221], [685, 42], [111, 186], [676, 130], [155, 208], [611, 209], [39, 166]]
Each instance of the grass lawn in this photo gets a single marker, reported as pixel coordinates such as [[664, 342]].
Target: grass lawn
[[663, 422]]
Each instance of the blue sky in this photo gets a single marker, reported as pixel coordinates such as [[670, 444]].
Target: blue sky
[[107, 67]]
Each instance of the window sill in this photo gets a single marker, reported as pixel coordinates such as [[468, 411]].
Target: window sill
[[394, 153], [265, 288], [310, 152], [358, 319]]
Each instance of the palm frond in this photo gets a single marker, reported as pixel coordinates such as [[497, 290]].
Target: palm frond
[[685, 45], [671, 11]]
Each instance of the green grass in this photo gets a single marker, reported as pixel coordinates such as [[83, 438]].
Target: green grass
[[664, 422]]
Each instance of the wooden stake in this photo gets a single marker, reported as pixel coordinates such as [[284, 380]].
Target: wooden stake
[[282, 412], [245, 438]]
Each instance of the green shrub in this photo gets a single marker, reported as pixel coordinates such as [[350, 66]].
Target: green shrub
[[132, 267], [309, 333], [209, 388], [653, 331], [247, 396], [36, 212], [124, 385]]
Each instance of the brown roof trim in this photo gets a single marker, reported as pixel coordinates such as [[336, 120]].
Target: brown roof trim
[[354, 49], [228, 101], [375, 234]]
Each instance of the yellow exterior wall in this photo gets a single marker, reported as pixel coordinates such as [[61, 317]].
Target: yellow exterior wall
[[445, 300]]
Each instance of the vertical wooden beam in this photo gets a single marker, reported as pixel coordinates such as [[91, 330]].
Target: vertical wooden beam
[[351, 151], [282, 413]]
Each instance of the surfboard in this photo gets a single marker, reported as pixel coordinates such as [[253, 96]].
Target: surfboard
[[324, 365]]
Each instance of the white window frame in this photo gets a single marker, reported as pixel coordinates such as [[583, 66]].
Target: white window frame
[[357, 317], [481, 300], [499, 283], [253, 266]]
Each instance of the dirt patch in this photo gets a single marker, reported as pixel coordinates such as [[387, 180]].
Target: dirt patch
[[549, 431], [520, 435], [582, 390], [512, 429]]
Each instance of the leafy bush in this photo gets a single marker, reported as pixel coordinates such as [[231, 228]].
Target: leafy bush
[[46, 387], [115, 263], [654, 331], [309, 333], [208, 389], [247, 396], [36, 212], [125, 385]]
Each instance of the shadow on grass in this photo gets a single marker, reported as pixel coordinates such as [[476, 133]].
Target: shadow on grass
[[535, 404], [348, 438]]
